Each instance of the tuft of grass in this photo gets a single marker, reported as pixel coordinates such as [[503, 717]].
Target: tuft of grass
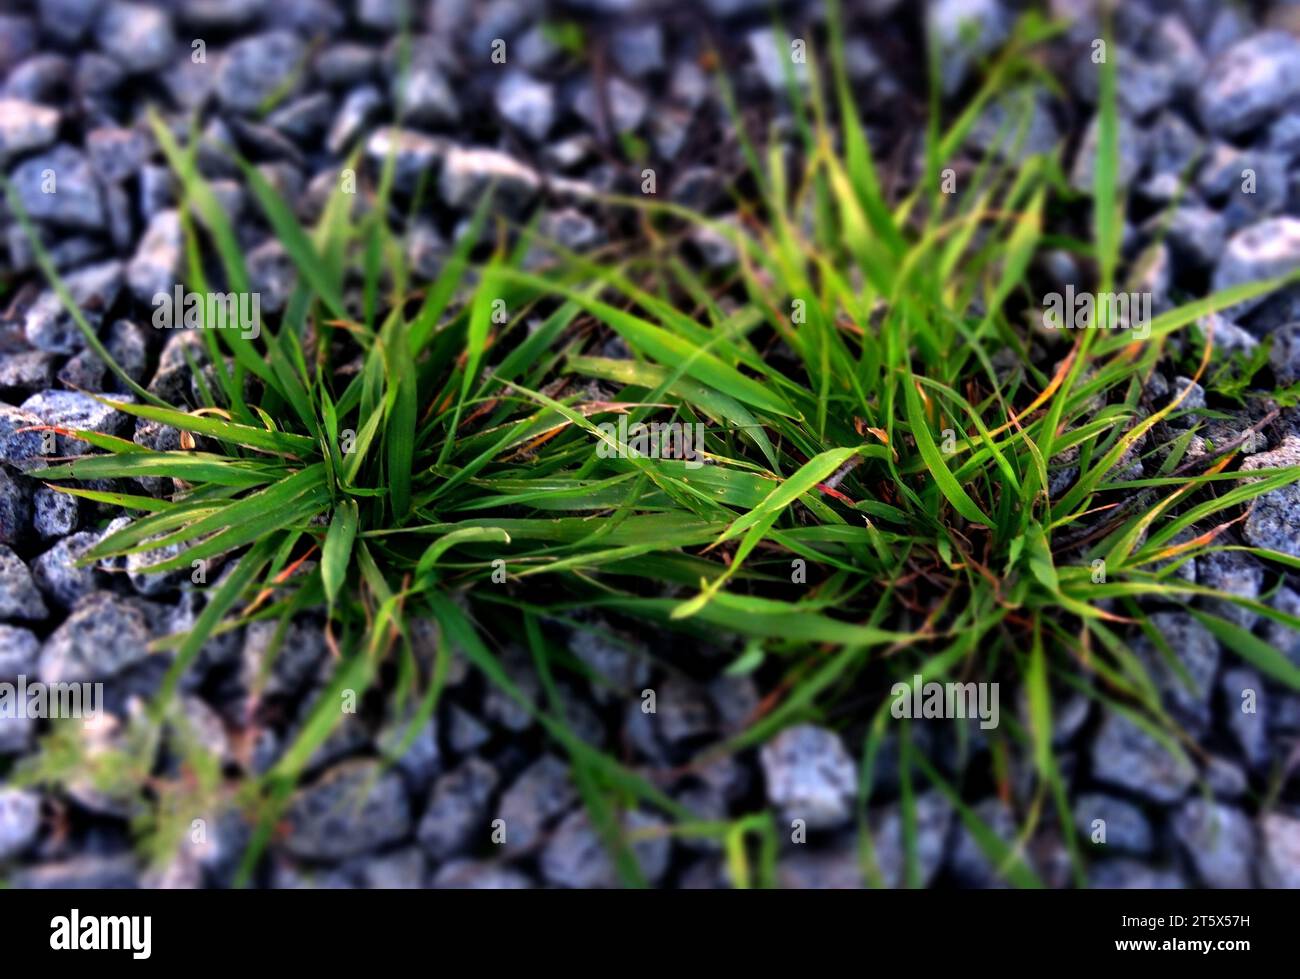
[[880, 410]]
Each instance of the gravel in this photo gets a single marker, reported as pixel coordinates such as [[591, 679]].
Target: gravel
[[1127, 757], [810, 776], [354, 808], [457, 809], [1218, 840], [19, 597], [102, 636], [574, 856], [20, 821]]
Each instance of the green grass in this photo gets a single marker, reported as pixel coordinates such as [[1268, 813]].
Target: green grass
[[860, 419]]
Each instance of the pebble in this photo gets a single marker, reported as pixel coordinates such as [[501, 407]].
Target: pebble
[[25, 126], [59, 186], [20, 821], [354, 808], [1249, 82], [101, 637], [15, 509], [19, 597], [1236, 574], [1263, 250], [50, 327], [480, 875], [139, 36], [76, 411], [456, 814], [541, 794], [57, 573], [257, 68], [1274, 521], [19, 649], [22, 374], [55, 513], [576, 856], [1219, 840], [468, 173], [1281, 844], [934, 814], [1126, 826], [810, 776], [1126, 756], [527, 104]]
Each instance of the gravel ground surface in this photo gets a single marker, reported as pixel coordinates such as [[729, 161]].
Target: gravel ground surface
[[1207, 89]]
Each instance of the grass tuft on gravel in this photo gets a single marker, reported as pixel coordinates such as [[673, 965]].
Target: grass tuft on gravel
[[882, 412]]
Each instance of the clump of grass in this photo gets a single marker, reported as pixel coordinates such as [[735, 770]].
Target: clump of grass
[[862, 418]]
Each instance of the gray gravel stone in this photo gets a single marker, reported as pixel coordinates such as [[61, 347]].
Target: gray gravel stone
[[1131, 875], [55, 513], [965, 32], [627, 105], [20, 821], [1131, 142], [1261, 251], [25, 126], [358, 107], [139, 36], [1237, 574], [382, 15], [1219, 840], [40, 78], [526, 103], [413, 154], [23, 374], [542, 793], [19, 597], [468, 173], [116, 153], [1126, 827], [933, 818], [621, 667], [346, 63], [59, 186], [424, 97], [1002, 129], [74, 410], [1126, 756], [810, 776], [15, 509], [102, 636], [295, 662], [1197, 234], [575, 855], [256, 68], [17, 40], [1249, 82], [1283, 638], [155, 266], [50, 327], [1280, 835], [18, 447], [1245, 699], [421, 760], [354, 808], [480, 875], [87, 872], [19, 649], [968, 861], [57, 574], [638, 50], [457, 810], [465, 733], [1274, 521]]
